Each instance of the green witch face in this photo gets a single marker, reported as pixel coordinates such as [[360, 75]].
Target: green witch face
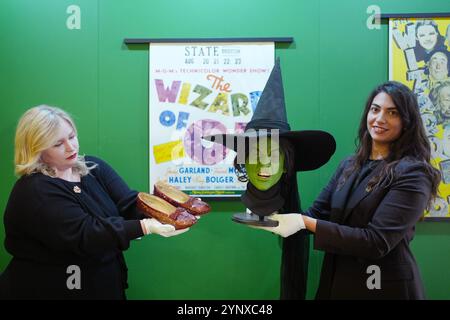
[[265, 164]]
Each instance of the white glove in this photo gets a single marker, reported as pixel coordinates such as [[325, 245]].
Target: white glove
[[198, 217], [153, 226], [173, 233], [288, 224]]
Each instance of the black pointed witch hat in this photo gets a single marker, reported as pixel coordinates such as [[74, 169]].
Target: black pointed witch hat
[[313, 148]]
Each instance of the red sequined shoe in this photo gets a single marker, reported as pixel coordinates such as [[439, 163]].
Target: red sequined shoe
[[164, 212], [178, 198]]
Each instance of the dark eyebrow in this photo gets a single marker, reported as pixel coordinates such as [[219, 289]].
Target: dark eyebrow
[[390, 108]]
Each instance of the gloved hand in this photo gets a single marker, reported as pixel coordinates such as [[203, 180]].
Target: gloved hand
[[198, 217], [153, 226], [173, 233], [288, 224]]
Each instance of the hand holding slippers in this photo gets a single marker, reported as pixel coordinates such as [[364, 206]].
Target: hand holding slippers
[[164, 212], [171, 206]]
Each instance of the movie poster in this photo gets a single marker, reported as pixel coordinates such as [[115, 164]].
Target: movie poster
[[419, 54], [199, 89]]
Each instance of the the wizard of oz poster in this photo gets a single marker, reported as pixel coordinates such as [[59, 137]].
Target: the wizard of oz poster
[[200, 89], [419, 56]]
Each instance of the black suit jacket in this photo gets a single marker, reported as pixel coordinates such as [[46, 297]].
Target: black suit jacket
[[361, 228], [50, 227]]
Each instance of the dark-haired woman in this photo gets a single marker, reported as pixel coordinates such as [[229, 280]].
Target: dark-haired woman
[[364, 219]]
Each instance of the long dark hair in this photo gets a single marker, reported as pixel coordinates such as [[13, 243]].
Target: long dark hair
[[413, 142]]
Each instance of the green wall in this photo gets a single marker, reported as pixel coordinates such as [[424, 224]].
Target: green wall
[[328, 72]]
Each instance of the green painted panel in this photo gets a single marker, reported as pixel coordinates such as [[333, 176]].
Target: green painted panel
[[328, 72], [43, 62]]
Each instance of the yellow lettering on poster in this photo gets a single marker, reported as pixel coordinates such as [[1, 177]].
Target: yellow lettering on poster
[[168, 151]]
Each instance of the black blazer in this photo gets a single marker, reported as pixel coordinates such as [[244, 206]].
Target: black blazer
[[366, 227], [49, 227]]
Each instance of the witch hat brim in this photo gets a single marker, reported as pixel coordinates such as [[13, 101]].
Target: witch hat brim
[[312, 148]]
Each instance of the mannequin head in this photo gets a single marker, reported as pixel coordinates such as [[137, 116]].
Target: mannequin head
[[275, 164], [265, 164]]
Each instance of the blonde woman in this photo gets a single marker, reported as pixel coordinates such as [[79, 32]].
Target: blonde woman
[[68, 217]]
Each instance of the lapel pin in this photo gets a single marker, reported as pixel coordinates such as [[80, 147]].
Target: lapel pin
[[76, 189]]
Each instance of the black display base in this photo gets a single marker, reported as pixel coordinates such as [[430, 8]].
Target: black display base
[[254, 220]]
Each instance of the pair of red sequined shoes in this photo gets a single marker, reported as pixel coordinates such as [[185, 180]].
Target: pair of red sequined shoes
[[172, 206]]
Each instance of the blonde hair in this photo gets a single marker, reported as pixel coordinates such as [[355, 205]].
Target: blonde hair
[[37, 131]]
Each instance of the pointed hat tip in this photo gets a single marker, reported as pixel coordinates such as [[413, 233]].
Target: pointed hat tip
[[270, 111]]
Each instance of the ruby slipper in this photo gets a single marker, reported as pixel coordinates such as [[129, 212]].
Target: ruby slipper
[[178, 198]]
